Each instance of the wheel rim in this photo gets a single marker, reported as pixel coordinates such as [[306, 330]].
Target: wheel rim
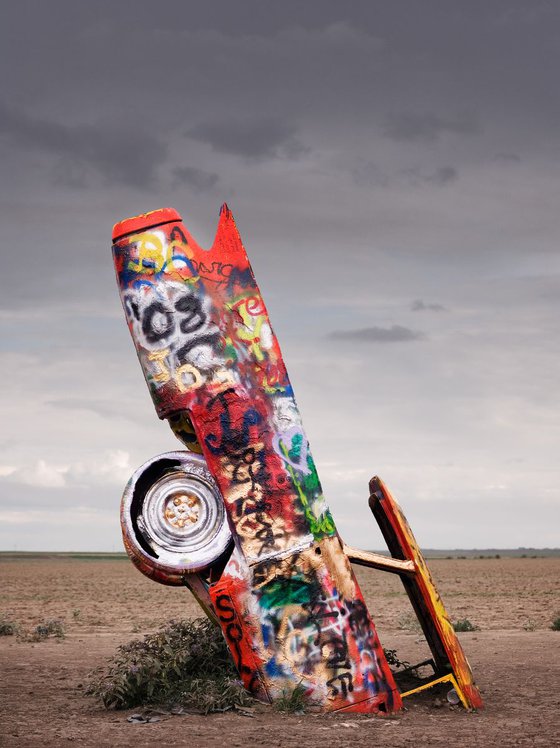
[[173, 514]]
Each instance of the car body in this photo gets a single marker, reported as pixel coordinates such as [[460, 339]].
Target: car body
[[244, 524]]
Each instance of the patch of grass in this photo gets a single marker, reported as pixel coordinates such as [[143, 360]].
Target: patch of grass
[[556, 624], [292, 702], [186, 663], [144, 624], [8, 627], [463, 624], [46, 629], [409, 622], [529, 625]]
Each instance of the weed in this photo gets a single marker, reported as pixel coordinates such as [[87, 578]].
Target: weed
[[76, 613], [463, 624], [555, 624], [45, 629], [393, 659], [8, 627], [185, 663], [529, 625], [294, 701]]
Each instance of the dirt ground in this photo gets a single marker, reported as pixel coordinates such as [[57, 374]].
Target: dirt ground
[[103, 603]]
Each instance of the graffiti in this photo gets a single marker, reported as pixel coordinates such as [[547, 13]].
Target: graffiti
[[233, 631], [179, 344], [287, 600], [214, 272], [293, 448], [312, 628], [156, 253]]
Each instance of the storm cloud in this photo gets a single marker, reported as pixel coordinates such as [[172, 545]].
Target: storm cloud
[[252, 139], [200, 180], [119, 155], [426, 127]]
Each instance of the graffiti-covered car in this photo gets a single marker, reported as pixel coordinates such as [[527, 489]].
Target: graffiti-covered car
[[240, 518]]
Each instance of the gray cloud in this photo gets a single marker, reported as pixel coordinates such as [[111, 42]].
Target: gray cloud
[[508, 158], [256, 139], [420, 306], [394, 334], [438, 177], [122, 156], [368, 174], [426, 127], [442, 175], [198, 179]]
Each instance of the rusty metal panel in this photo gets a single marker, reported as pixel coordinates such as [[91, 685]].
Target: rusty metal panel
[[445, 646], [211, 360]]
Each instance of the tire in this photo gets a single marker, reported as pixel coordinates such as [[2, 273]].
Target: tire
[[173, 517]]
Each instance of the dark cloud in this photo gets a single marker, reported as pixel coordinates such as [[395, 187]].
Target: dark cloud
[[442, 175], [420, 306], [439, 177], [426, 128], [508, 158], [394, 334], [128, 157], [198, 179], [368, 174], [251, 139]]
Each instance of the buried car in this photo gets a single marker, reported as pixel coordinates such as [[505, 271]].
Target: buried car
[[240, 519]]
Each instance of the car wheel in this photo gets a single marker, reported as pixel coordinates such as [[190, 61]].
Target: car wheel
[[173, 517]]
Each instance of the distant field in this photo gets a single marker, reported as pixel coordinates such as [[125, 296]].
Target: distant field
[[492, 553], [459, 553], [78, 556], [508, 592]]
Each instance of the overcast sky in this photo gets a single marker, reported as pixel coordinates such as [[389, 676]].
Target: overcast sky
[[393, 170]]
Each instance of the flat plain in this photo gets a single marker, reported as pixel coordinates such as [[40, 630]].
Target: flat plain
[[104, 602]]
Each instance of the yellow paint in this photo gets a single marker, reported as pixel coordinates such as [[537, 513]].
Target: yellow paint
[[455, 655], [151, 249], [252, 324], [162, 373], [187, 369], [446, 678]]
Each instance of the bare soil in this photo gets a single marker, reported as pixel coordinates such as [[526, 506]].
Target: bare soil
[[103, 603]]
